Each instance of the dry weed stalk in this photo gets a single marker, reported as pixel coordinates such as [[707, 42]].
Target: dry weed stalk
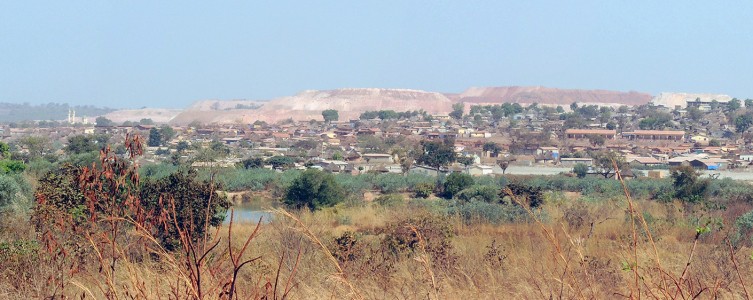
[[553, 241], [425, 262], [340, 274]]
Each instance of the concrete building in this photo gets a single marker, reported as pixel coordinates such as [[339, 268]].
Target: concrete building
[[585, 133], [655, 135]]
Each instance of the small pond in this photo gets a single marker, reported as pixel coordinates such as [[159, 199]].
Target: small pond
[[249, 214]]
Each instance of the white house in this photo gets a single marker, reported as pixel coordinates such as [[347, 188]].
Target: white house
[[480, 170], [746, 157]]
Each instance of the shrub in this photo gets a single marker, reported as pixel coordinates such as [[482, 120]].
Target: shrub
[[162, 152], [247, 179], [455, 183], [252, 163], [491, 213], [415, 179], [423, 190], [194, 201], [39, 167], [157, 171], [730, 190], [281, 162], [489, 194], [355, 185], [689, 187], [390, 183], [314, 189], [744, 229], [426, 232], [390, 200], [14, 193], [524, 194], [8, 166], [580, 170]]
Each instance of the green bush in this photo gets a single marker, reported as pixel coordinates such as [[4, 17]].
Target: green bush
[[423, 190], [390, 200], [15, 193], [157, 171], [489, 194], [744, 229], [476, 212], [455, 183], [730, 190], [581, 170], [390, 183], [247, 179], [314, 189], [39, 167], [427, 233], [191, 198], [355, 184], [689, 187]]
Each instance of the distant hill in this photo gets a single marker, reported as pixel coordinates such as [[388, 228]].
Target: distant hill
[[14, 112], [672, 100], [549, 96], [307, 105], [159, 115], [351, 102]]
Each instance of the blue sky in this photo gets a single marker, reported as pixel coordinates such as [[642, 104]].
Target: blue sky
[[171, 53]]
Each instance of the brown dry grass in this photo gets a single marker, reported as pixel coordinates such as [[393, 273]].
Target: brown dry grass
[[554, 259]]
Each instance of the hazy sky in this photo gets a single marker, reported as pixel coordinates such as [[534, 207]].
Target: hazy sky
[[169, 54]]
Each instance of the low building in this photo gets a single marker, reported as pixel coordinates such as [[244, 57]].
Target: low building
[[554, 151], [378, 158], [643, 160], [586, 133], [480, 170], [424, 170], [572, 161], [746, 157], [335, 166], [709, 164], [655, 135]]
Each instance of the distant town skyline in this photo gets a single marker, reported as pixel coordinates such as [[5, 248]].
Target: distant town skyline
[[170, 53]]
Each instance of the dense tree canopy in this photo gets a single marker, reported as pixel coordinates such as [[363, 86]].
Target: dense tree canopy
[[607, 162], [457, 111], [37, 146], [743, 122], [79, 144], [103, 122], [656, 121], [493, 148], [155, 138], [437, 154], [330, 115], [314, 189], [252, 163]]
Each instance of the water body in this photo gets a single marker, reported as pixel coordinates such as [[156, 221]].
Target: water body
[[249, 214]]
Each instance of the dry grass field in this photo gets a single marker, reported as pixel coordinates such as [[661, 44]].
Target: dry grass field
[[407, 251]]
